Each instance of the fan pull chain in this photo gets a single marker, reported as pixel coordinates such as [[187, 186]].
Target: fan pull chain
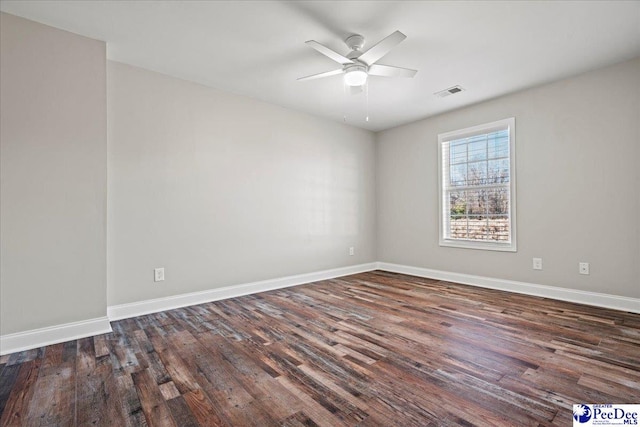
[[366, 93]]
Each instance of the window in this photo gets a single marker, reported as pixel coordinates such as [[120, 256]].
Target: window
[[477, 187]]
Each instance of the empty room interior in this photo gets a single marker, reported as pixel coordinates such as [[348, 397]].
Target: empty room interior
[[319, 213]]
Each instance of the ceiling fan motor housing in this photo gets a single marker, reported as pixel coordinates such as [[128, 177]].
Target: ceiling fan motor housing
[[355, 42], [357, 66]]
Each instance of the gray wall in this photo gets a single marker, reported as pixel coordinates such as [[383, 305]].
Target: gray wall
[[578, 185], [53, 176], [221, 190]]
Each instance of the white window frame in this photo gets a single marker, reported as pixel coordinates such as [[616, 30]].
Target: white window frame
[[444, 138]]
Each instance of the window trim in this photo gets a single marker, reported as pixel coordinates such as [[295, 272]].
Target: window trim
[[445, 137]]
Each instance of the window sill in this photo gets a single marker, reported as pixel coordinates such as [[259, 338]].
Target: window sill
[[486, 246]]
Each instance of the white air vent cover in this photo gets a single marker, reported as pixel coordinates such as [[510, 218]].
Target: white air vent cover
[[450, 91]]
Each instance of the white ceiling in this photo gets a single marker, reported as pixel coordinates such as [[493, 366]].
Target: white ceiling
[[256, 48]]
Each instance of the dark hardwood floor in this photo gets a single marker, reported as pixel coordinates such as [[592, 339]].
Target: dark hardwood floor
[[370, 349]]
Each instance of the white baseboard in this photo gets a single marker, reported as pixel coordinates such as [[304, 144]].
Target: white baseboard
[[572, 295], [123, 311], [35, 338]]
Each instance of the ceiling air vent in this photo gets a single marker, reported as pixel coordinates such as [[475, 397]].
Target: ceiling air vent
[[451, 91]]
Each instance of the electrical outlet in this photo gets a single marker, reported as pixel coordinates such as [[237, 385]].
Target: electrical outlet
[[583, 268], [537, 263], [158, 274], [352, 251]]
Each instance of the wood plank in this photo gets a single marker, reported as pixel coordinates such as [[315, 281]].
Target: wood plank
[[54, 399], [169, 390], [155, 408], [202, 409], [129, 403], [8, 376], [181, 412], [17, 405], [100, 345], [118, 413], [92, 401]]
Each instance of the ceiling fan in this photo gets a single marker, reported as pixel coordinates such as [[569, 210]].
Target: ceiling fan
[[357, 66]]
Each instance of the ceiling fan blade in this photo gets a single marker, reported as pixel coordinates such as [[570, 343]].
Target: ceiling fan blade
[[382, 48], [329, 53], [319, 75], [389, 71]]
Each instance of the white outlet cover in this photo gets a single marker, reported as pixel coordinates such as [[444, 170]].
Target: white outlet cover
[[583, 268], [158, 274], [537, 263]]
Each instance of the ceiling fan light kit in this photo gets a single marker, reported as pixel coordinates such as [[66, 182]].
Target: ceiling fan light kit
[[357, 66], [355, 75]]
